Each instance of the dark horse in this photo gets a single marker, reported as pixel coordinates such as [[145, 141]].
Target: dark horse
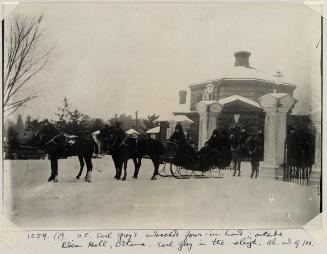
[[62, 146], [122, 148]]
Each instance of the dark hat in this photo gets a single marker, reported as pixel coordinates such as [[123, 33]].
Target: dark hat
[[291, 128], [178, 127], [236, 130], [117, 124], [253, 132]]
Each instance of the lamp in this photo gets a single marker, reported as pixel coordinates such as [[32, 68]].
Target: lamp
[[236, 117]]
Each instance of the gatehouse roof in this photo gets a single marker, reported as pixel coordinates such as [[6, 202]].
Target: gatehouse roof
[[242, 70], [245, 73], [238, 98]]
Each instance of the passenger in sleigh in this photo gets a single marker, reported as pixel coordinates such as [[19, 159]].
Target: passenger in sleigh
[[226, 154], [192, 154], [214, 149], [204, 157]]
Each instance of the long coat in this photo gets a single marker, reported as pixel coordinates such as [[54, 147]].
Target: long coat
[[253, 147], [178, 138]]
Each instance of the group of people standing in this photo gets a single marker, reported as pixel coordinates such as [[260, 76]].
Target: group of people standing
[[224, 148]]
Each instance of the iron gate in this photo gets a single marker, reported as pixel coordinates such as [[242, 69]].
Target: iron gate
[[298, 162]]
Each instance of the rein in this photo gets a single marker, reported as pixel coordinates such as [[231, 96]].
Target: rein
[[119, 145], [123, 143], [52, 141]]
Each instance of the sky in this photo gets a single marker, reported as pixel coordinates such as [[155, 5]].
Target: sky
[[118, 58]]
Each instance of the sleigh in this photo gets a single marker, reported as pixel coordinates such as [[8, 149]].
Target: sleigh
[[183, 163]]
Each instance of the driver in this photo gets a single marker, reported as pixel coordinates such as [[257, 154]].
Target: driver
[[178, 136], [179, 139]]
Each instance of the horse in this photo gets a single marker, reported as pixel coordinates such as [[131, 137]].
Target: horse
[[122, 148], [62, 146]]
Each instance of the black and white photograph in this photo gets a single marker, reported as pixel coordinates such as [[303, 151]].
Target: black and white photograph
[[161, 115]]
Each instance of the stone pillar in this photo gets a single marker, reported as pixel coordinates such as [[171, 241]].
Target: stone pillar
[[213, 111], [208, 112], [276, 107], [270, 136], [202, 109], [281, 134], [203, 128], [285, 105]]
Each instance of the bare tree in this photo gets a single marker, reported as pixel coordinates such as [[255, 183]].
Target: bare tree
[[151, 122], [23, 60]]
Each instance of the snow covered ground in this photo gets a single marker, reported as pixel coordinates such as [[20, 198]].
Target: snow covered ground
[[228, 202]]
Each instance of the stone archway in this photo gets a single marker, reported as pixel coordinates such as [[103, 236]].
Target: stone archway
[[276, 107], [220, 114], [240, 115]]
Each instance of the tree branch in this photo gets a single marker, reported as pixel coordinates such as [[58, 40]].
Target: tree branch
[[15, 105], [22, 66]]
